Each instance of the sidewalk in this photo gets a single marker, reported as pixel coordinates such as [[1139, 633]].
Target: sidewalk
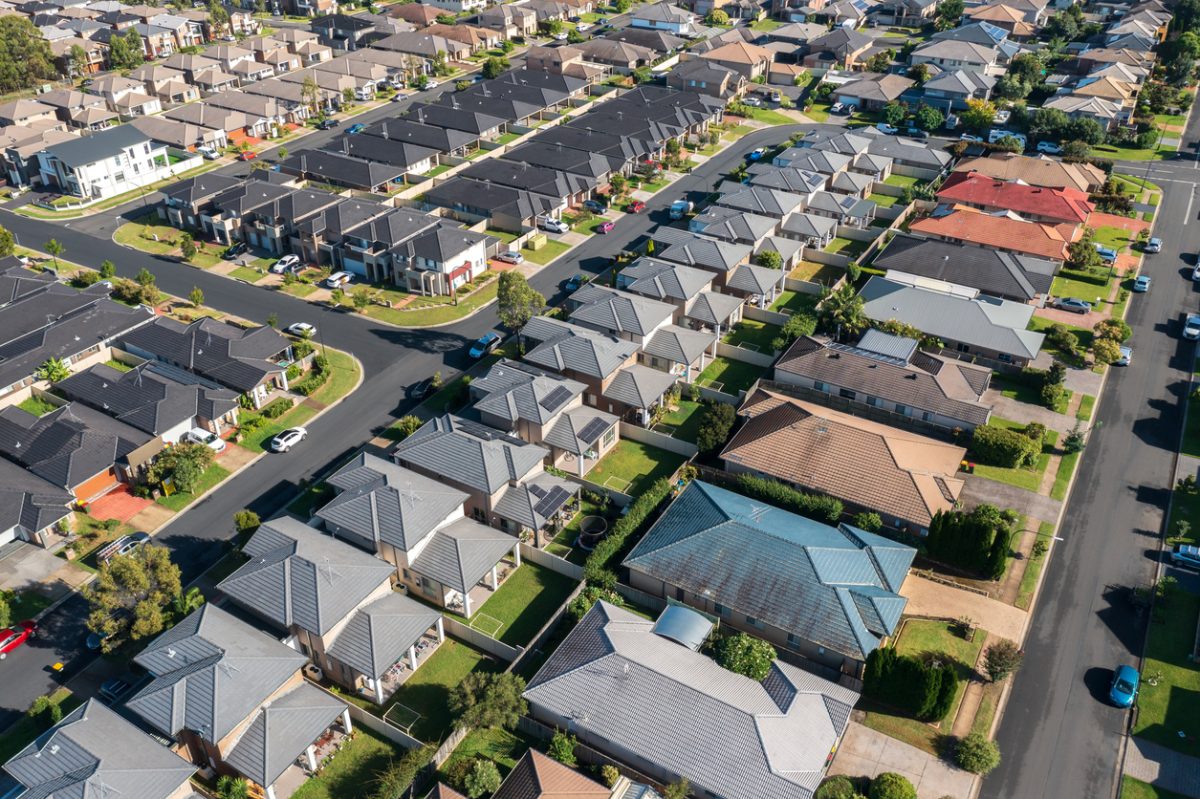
[[1163, 768]]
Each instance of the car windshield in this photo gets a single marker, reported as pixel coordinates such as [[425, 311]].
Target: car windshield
[[1124, 687]]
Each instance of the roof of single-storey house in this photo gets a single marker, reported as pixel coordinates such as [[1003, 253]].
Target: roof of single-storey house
[[878, 88], [470, 453], [561, 346], [639, 386], [1035, 170], [991, 271], [231, 355], [1005, 231], [1060, 204]]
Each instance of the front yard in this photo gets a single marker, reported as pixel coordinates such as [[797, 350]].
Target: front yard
[[1093, 288], [181, 499], [524, 603], [631, 467], [357, 764], [547, 252], [729, 376], [1026, 477], [1169, 702]]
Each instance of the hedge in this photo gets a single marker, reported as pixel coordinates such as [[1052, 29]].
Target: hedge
[[604, 558], [922, 690], [978, 541], [277, 408], [315, 379], [1000, 446], [813, 506]]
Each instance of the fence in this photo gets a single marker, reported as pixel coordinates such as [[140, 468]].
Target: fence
[[827, 258], [552, 562], [619, 498], [720, 396], [857, 233], [373, 723], [919, 172], [809, 287], [661, 440], [449, 745], [763, 315], [545, 634], [744, 355], [886, 189], [655, 603], [480, 640]]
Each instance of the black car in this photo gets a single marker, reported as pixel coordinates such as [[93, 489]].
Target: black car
[[329, 124], [234, 250], [425, 388]]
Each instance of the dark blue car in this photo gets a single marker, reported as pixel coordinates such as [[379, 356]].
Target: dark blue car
[[1124, 687]]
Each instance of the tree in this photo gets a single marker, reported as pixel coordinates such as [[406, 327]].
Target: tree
[[1011, 87], [551, 27], [495, 66], [1061, 26], [246, 521], [1048, 123], [446, 19], [187, 246], [107, 269], [53, 370], [743, 654], [196, 296], [894, 113], [948, 14], [716, 17], [336, 297], [360, 298], [55, 248], [977, 754], [183, 464], [218, 17], [489, 700], [516, 301], [145, 277], [507, 47], [6, 618], [1009, 144], [8, 243], [562, 748], [405, 426], [482, 779], [400, 772], [229, 787], [25, 57], [1026, 67], [310, 93], [979, 113], [771, 259], [190, 600], [869, 521], [919, 72], [281, 154], [842, 313], [1002, 659], [838, 787], [1085, 130], [880, 61], [890, 785], [677, 790], [272, 319], [622, 5], [1075, 151], [715, 424], [929, 118], [130, 594], [1082, 254], [44, 713], [1106, 351], [617, 181], [1116, 329], [126, 51]]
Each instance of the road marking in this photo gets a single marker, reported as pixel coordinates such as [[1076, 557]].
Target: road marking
[[1187, 215]]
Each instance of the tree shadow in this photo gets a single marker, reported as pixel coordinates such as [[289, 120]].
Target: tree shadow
[[1122, 615]]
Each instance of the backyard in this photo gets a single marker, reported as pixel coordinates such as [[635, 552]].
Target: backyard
[[792, 302], [813, 272], [682, 421], [753, 335], [630, 467], [729, 376], [356, 764], [496, 744], [851, 248], [524, 603], [428, 690], [563, 544]]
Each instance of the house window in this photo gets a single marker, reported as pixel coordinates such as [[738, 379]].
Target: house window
[[610, 435], [819, 386], [962, 348], [793, 640], [901, 409], [847, 394], [1005, 357], [753, 622], [720, 609], [927, 416], [590, 399], [872, 401]]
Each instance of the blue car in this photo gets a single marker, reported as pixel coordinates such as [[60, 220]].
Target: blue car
[[1142, 284], [1107, 254], [1124, 686], [575, 283], [486, 343], [356, 128]]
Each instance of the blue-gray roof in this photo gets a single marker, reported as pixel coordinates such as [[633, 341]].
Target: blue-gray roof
[[461, 553], [282, 730], [380, 633], [835, 586], [469, 453]]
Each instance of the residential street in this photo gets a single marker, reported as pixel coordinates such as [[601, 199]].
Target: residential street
[[392, 358], [1060, 737]]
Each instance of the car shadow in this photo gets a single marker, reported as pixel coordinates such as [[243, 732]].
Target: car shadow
[[1098, 680]]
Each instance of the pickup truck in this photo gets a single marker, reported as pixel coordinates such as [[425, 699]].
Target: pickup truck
[[1191, 327], [680, 209]]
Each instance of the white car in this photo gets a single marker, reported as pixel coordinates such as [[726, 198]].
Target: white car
[[560, 37], [198, 435], [302, 329], [209, 153], [583, 27], [288, 439], [1191, 327], [431, 84], [1048, 147], [1196, 273], [338, 279], [284, 264], [553, 225]]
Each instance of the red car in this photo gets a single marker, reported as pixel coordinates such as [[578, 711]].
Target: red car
[[635, 207], [13, 637], [606, 227], [247, 155]]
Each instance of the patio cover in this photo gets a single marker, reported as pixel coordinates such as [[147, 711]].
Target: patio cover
[[461, 553], [282, 731], [380, 633], [578, 430], [534, 501]]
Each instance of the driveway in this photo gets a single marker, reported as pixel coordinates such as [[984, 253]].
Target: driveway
[[980, 490], [927, 598], [867, 753], [1071, 318], [1009, 408]]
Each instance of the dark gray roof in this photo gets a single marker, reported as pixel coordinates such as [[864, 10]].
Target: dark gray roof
[[232, 356], [29, 502], [398, 129], [835, 586], [461, 553], [343, 170], [561, 346], [590, 164], [154, 397], [194, 191], [380, 501], [663, 280], [639, 386], [618, 311], [380, 633], [761, 200], [93, 752], [578, 430], [808, 226], [732, 225], [445, 116], [693, 250], [540, 180], [820, 161], [994, 272], [393, 228], [16, 281], [442, 244], [713, 308], [211, 672], [532, 502], [614, 680], [470, 453], [682, 344], [790, 179], [389, 151], [299, 576], [475, 196], [98, 146], [282, 730], [754, 279], [519, 392]]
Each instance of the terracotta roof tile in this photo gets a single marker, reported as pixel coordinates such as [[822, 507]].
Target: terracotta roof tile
[[1066, 205], [1003, 232]]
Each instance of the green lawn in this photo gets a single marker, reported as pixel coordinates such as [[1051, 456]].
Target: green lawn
[[770, 117], [795, 302], [1118, 238], [902, 181], [883, 200], [818, 111], [357, 764], [1028, 478], [1082, 335], [1022, 391], [1085, 287], [1086, 403], [205, 260], [851, 248], [683, 422], [1172, 707], [547, 253], [563, 544], [729, 376], [814, 272], [22, 733], [249, 274], [300, 290], [1133, 153], [256, 440], [524, 603], [428, 690], [181, 499], [1136, 789], [437, 313], [496, 744], [25, 604], [504, 235], [36, 406], [753, 335], [140, 236], [630, 467], [765, 25], [437, 170], [1170, 119], [1034, 568], [1062, 477], [343, 376]]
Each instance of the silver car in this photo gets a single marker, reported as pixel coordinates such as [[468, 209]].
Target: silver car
[[288, 439]]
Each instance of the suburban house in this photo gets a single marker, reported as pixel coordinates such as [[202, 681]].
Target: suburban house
[[512, 21], [94, 751], [640, 692], [698, 75], [840, 48], [107, 163], [417, 525], [1039, 170], [951, 54], [664, 17], [233, 699], [815, 448], [836, 596], [748, 60], [1051, 206], [253, 362], [1008, 232], [1106, 113], [977, 327], [32, 508], [949, 91], [905, 13], [873, 91]]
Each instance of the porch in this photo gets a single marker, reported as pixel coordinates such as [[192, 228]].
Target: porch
[[465, 605], [463, 563]]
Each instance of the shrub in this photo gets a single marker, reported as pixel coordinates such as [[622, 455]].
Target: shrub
[[745, 655], [606, 553], [277, 408], [947, 691], [1052, 393], [869, 521], [838, 787], [909, 684], [890, 785], [715, 425], [813, 506], [581, 604], [1061, 338], [562, 748], [246, 520], [976, 754], [1002, 659], [978, 541], [406, 426], [609, 775], [1000, 446], [44, 713], [483, 778]]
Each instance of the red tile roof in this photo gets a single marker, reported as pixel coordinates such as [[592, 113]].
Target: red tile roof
[[1002, 232], [1060, 205]]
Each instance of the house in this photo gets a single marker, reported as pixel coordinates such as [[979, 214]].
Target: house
[[26, 112], [691, 249], [168, 85], [572, 190], [502, 475], [343, 31], [990, 271], [180, 134], [905, 13], [951, 54], [459, 6], [664, 17], [793, 180], [421, 15], [252, 362], [440, 260], [79, 110], [873, 91], [477, 38], [156, 398], [106, 164], [950, 90], [836, 594], [619, 313], [545, 409], [840, 48], [1006, 17], [1034, 11], [232, 123], [660, 42], [538, 776], [639, 691], [92, 750], [1035, 203], [815, 448], [748, 60], [411, 157], [1036, 171], [32, 508], [622, 57], [698, 75], [234, 700], [1008, 232], [978, 327], [1104, 112], [505, 207], [887, 378]]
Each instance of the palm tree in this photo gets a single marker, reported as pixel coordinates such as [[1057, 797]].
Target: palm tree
[[841, 313]]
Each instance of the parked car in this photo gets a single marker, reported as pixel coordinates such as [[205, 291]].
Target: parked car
[[1142, 284], [1153, 245], [583, 27], [301, 329], [122, 546], [1196, 273], [422, 390], [1126, 356], [1107, 254], [288, 439], [234, 250], [356, 128], [431, 84], [1002, 116], [553, 225], [1191, 327], [338, 279], [1073, 304], [837, 108], [606, 226], [635, 207], [247, 155], [595, 206], [13, 637], [752, 100], [1048, 147], [916, 133], [1124, 688], [1187, 555], [575, 283], [775, 96], [284, 264], [209, 153], [884, 127], [968, 137], [510, 257], [561, 37], [484, 344], [112, 690], [756, 154], [328, 124], [198, 435]]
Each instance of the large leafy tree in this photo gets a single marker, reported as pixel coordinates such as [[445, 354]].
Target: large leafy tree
[[841, 314], [979, 114], [489, 700], [516, 301], [495, 66], [184, 464], [25, 57], [131, 595], [745, 655]]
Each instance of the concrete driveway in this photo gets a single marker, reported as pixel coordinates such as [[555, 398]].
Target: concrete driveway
[[927, 598], [867, 753]]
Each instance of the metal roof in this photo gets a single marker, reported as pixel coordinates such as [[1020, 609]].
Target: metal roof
[[461, 553], [683, 626], [469, 453], [380, 633], [282, 730]]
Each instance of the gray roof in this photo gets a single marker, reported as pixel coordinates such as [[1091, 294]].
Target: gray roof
[[299, 576], [960, 81], [760, 200], [211, 672], [342, 169], [614, 680], [230, 355], [994, 272], [379, 634], [713, 308], [732, 225], [754, 279], [562, 346], [93, 752], [842, 205], [519, 392], [984, 322], [16, 281], [618, 311], [639, 386], [98, 146], [532, 502], [578, 430], [663, 280], [805, 158], [851, 182], [380, 501], [790, 179], [680, 344], [691, 249], [461, 553], [282, 731], [28, 501], [837, 587], [469, 453], [808, 226]]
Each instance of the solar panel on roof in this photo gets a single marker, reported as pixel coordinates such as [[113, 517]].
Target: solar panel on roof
[[555, 399], [592, 430], [551, 502]]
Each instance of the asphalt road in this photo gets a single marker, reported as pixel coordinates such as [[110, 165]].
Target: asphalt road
[[393, 360], [1060, 738]]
